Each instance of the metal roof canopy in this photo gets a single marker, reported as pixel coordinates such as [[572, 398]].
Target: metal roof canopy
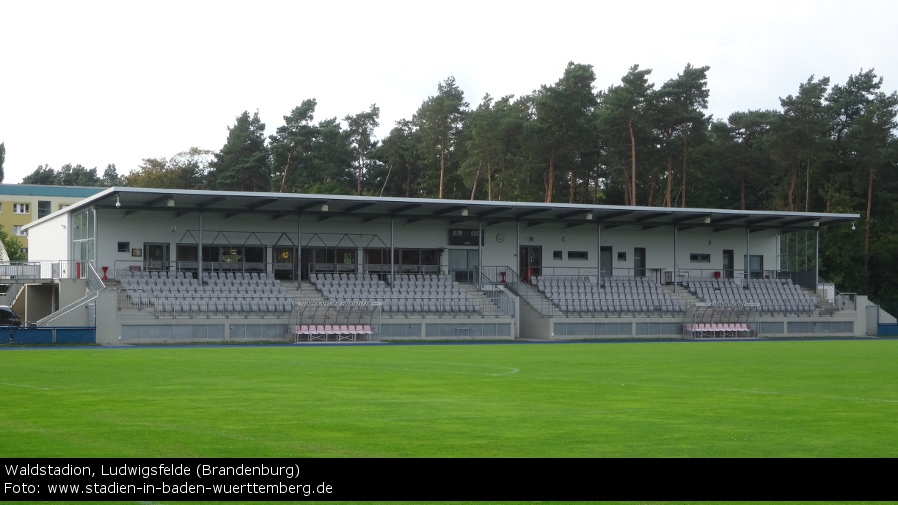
[[366, 209]]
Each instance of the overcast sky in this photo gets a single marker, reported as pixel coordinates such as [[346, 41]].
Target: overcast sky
[[97, 83]]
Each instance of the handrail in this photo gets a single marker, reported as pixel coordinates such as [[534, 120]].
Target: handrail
[[514, 282], [497, 293], [81, 302], [94, 282]]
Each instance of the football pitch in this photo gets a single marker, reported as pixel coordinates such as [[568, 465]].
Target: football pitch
[[746, 399]]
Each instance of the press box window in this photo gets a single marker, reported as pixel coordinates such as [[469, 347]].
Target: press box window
[[556, 255], [124, 246], [700, 258], [577, 255]]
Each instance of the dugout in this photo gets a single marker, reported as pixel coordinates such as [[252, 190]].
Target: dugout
[[335, 321], [711, 320]]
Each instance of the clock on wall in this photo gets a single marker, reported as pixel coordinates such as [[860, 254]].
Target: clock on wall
[[500, 238]]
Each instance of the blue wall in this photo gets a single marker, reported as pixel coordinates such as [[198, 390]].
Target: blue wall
[[887, 330], [66, 335]]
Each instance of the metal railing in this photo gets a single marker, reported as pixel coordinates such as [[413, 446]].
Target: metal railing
[[142, 302], [509, 279]]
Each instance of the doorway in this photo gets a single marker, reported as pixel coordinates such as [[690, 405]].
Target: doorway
[[530, 261], [463, 264], [607, 267], [729, 264], [156, 255], [639, 261], [285, 263]]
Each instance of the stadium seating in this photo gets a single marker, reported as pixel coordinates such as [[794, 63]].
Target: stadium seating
[[176, 294], [771, 295], [424, 294], [582, 295]]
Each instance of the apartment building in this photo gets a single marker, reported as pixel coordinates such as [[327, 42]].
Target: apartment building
[[21, 204]]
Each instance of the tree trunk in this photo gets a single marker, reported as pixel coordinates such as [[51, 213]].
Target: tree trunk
[[286, 167], [653, 183], [359, 178], [549, 186], [442, 169], [408, 180], [792, 183], [867, 226], [476, 177], [683, 182], [489, 184], [386, 179], [571, 192], [626, 177], [667, 202], [807, 184], [632, 161]]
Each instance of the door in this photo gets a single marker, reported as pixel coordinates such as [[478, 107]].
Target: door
[[639, 262], [531, 261], [607, 267], [285, 263], [463, 264], [729, 264], [156, 255], [754, 265]]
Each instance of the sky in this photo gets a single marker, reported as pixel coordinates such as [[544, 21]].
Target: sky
[[110, 82]]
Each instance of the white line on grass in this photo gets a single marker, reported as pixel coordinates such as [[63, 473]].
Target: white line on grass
[[23, 386], [511, 371]]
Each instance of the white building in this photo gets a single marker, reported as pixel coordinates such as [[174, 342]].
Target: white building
[[524, 250]]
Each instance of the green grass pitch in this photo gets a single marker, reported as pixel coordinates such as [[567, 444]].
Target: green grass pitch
[[833, 398]]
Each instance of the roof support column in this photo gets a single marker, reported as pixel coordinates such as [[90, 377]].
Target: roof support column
[[479, 253], [517, 250], [676, 272], [747, 270], [599, 254], [199, 251], [816, 259], [298, 250], [392, 254]]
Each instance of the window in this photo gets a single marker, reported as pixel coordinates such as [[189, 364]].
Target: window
[[17, 230], [124, 246], [556, 255], [577, 255], [44, 208], [700, 258], [21, 208], [63, 205]]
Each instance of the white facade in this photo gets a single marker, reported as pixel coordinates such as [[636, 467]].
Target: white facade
[[122, 229]]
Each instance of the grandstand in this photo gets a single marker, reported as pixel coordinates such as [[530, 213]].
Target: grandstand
[[156, 265]]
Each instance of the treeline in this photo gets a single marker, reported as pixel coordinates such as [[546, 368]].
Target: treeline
[[830, 147]]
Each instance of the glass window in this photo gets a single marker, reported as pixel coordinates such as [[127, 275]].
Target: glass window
[[43, 208]]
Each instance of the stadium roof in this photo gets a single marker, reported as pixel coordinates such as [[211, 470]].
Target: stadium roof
[[367, 209]]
